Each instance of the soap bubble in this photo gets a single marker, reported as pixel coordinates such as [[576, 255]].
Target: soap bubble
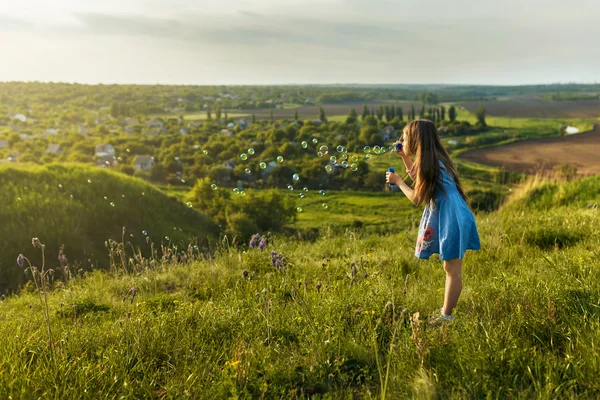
[[128, 150], [262, 165], [368, 156], [251, 151], [340, 149], [290, 188], [248, 171], [167, 238], [354, 158], [205, 152], [144, 233], [89, 181], [344, 156], [189, 204], [243, 156], [328, 168], [320, 154], [214, 186], [376, 149], [333, 159], [111, 203], [301, 195], [279, 159], [299, 209], [324, 149], [236, 191], [304, 145], [354, 167], [322, 192], [305, 189], [345, 164], [243, 192], [60, 185], [367, 149], [315, 141], [325, 206], [105, 198], [296, 177]]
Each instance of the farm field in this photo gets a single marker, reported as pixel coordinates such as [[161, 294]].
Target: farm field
[[531, 106], [532, 156]]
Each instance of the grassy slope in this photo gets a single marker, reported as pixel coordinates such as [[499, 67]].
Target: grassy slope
[[34, 205], [528, 322]]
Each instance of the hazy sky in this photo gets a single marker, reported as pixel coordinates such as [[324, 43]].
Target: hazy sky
[[300, 41]]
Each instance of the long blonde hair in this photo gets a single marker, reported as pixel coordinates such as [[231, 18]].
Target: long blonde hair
[[424, 142]]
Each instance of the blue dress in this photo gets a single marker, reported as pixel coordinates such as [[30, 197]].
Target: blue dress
[[448, 226]]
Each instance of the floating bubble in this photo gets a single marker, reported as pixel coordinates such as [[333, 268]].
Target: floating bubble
[[71, 196], [183, 181], [296, 177], [60, 185], [248, 171], [243, 192], [345, 164], [143, 194], [189, 204], [305, 189], [333, 159], [319, 153], [368, 157], [315, 140], [279, 159], [128, 151], [328, 168], [324, 149], [376, 149], [111, 203], [299, 209], [301, 195], [304, 144], [340, 149], [322, 192], [344, 156], [205, 152], [214, 186], [167, 238], [290, 188], [325, 206], [236, 191], [89, 181], [251, 151], [367, 149], [144, 233], [105, 198], [354, 158], [243, 156], [262, 165], [123, 196]]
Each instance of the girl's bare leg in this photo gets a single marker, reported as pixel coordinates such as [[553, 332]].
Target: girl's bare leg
[[453, 270]]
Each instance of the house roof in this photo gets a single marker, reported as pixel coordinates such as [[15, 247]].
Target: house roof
[[143, 159], [102, 147]]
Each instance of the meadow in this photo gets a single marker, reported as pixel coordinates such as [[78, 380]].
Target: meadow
[[342, 316]]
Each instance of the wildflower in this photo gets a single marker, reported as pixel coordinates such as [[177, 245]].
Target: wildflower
[[319, 285], [262, 244], [253, 240], [245, 274], [62, 258], [132, 291], [278, 260], [21, 260], [36, 242]]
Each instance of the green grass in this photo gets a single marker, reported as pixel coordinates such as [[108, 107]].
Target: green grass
[[83, 207], [527, 324]]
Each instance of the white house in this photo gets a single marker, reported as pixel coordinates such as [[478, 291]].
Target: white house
[[106, 161], [4, 144], [143, 163], [184, 131], [20, 117], [54, 149], [103, 150]]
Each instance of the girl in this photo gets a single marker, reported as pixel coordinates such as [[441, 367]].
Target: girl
[[448, 225]]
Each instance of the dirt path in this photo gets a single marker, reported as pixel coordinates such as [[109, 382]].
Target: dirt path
[[531, 156]]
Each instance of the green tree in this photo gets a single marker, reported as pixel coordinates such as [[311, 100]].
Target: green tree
[[296, 115], [480, 115], [452, 114], [218, 112], [114, 109], [399, 113], [422, 112], [322, 115], [412, 112], [253, 119], [352, 116], [442, 113], [380, 112], [208, 116], [365, 112]]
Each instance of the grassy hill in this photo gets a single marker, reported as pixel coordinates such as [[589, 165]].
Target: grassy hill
[[233, 325], [83, 207]]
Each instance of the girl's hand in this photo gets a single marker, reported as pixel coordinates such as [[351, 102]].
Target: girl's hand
[[392, 178]]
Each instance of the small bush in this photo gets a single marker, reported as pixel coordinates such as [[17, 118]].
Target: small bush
[[484, 200], [547, 239]]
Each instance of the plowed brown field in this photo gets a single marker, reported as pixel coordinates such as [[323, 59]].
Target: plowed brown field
[[532, 156]]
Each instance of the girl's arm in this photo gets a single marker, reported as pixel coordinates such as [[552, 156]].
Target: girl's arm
[[407, 190], [409, 166]]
